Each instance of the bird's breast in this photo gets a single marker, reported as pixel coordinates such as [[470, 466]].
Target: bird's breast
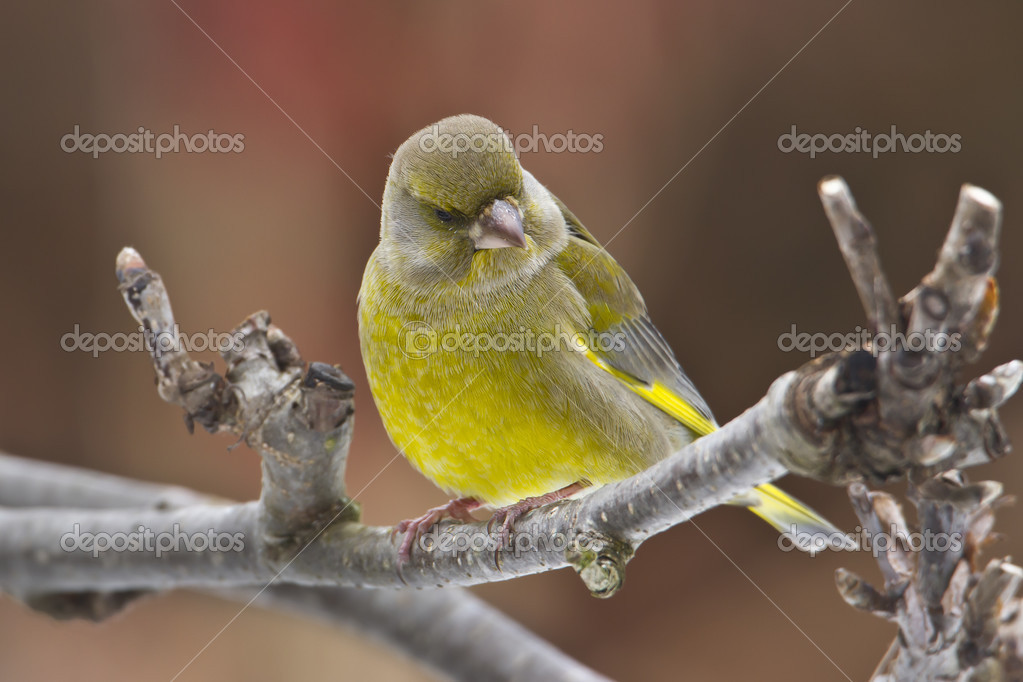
[[491, 398]]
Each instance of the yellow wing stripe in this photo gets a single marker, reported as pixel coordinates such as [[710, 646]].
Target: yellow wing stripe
[[660, 396], [771, 503]]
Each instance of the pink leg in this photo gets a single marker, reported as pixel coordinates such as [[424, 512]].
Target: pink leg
[[507, 516], [414, 528]]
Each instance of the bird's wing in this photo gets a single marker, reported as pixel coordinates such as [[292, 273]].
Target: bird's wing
[[626, 344], [624, 340]]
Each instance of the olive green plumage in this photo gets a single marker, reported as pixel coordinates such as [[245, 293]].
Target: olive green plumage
[[502, 425]]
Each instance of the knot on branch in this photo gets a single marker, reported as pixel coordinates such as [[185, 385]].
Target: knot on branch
[[91, 606], [600, 561]]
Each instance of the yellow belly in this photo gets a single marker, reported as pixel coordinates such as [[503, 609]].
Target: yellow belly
[[500, 425]]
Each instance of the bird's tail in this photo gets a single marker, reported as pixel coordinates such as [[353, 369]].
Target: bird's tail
[[807, 530]]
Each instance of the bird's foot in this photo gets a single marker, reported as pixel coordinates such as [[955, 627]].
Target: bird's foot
[[414, 528], [507, 516]]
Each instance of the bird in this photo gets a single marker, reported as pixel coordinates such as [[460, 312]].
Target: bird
[[512, 360]]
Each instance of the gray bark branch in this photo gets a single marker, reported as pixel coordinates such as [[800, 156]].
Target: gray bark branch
[[452, 632]]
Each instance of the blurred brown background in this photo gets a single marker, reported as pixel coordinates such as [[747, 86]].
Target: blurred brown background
[[729, 255]]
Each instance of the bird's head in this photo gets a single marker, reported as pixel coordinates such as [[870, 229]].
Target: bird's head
[[457, 203]]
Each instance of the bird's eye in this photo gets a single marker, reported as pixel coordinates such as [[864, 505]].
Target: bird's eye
[[443, 216]]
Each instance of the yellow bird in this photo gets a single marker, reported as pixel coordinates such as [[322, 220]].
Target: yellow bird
[[511, 358]]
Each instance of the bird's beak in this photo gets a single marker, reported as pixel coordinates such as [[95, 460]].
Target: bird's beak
[[499, 225]]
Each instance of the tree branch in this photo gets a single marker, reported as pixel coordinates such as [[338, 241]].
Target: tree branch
[[451, 631], [840, 418], [891, 408]]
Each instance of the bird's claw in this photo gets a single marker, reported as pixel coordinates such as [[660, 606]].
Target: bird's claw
[[415, 528], [507, 516]]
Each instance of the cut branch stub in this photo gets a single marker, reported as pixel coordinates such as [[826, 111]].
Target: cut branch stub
[[301, 426], [180, 380], [858, 245], [915, 420]]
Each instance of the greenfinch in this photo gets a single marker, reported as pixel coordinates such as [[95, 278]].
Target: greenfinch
[[510, 356]]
